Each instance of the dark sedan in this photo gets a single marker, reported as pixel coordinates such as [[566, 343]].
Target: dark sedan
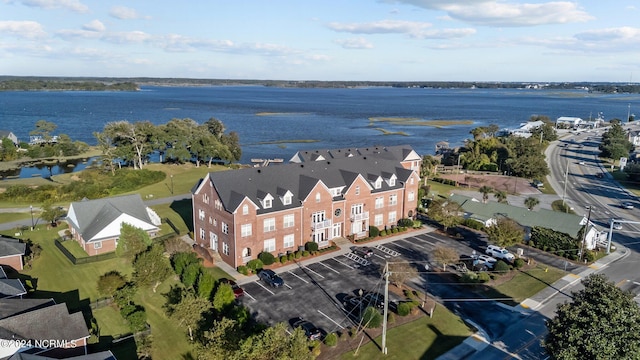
[[271, 278]]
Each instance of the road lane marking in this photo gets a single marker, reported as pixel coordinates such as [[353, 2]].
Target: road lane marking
[[298, 277], [287, 285], [247, 294], [381, 257], [330, 319], [328, 267]]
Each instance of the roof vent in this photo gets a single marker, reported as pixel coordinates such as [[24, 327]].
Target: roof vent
[[259, 171], [364, 157], [328, 162], [301, 165]]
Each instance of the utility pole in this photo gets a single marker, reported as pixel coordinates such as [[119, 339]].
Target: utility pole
[[584, 236], [564, 193], [386, 307], [32, 224]]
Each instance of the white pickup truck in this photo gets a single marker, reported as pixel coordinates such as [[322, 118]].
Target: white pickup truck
[[500, 253]]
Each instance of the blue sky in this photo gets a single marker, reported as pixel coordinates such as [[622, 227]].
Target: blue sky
[[378, 40]]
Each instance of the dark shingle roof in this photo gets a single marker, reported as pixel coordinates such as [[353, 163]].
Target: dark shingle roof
[[11, 307], [52, 322], [397, 153], [233, 185], [10, 247], [11, 287], [94, 215], [103, 355]]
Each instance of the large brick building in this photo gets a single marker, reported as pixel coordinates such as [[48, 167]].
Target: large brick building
[[319, 196]]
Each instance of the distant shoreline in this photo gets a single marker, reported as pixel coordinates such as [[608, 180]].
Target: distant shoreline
[[44, 83]]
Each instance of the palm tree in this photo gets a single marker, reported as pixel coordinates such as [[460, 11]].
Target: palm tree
[[501, 196], [485, 190], [531, 202]]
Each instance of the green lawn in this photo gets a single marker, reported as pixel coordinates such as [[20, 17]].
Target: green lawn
[[110, 322], [424, 338], [75, 249], [529, 282], [180, 214], [6, 217]]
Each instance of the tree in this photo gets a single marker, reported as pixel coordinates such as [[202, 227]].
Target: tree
[[109, 156], [485, 191], [223, 298], [132, 242], [601, 322], [205, 285], [44, 129], [8, 150], [276, 343], [109, 282], [132, 141], [505, 232], [151, 267], [190, 274], [531, 202], [51, 213], [401, 272], [445, 256], [221, 341], [189, 311], [181, 260], [501, 196], [445, 212]]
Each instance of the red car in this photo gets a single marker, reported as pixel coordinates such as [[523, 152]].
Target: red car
[[237, 290]]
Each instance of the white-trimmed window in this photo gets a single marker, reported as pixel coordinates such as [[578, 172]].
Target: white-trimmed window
[[289, 241], [392, 217], [286, 200], [378, 183], [268, 203], [357, 190], [225, 228], [411, 196], [97, 245], [203, 234], [225, 248], [269, 224], [393, 199], [201, 214], [318, 197], [245, 209], [245, 230], [270, 245], [392, 181], [379, 202], [205, 198], [379, 220], [411, 180], [289, 221]]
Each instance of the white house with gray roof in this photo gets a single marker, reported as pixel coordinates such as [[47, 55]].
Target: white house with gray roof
[[96, 224], [240, 213]]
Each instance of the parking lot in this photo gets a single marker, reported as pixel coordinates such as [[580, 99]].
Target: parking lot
[[315, 291]]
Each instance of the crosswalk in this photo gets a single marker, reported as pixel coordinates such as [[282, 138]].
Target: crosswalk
[[357, 259], [387, 251]]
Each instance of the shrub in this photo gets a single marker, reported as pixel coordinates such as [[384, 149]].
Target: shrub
[[501, 267], [267, 258], [518, 263], [404, 308], [311, 246], [137, 321], [110, 282], [391, 318], [254, 265], [405, 222], [417, 224], [383, 233], [560, 253], [372, 318], [484, 276], [373, 231], [331, 339], [283, 259], [242, 269], [590, 256], [298, 254], [305, 253], [291, 256], [395, 230], [469, 277], [190, 274], [353, 331]]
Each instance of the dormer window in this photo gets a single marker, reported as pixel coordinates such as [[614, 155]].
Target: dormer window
[[287, 199], [267, 203], [378, 183], [392, 181]]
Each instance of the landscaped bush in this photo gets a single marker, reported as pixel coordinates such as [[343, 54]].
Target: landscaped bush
[[383, 233], [242, 269], [331, 339], [417, 224], [372, 318], [283, 259], [311, 246], [483, 277], [589, 255], [405, 222], [550, 240], [473, 224], [518, 263], [501, 267], [373, 231], [391, 318], [110, 282], [254, 265], [404, 308], [291, 256], [297, 254], [267, 258], [305, 253]]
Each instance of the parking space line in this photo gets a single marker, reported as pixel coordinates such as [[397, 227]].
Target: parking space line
[[402, 247], [330, 319], [287, 285], [328, 267], [264, 287], [247, 294], [306, 282], [306, 268], [381, 257], [345, 264], [414, 244]]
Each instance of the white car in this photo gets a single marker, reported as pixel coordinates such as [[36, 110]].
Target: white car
[[627, 205], [500, 253], [487, 260]]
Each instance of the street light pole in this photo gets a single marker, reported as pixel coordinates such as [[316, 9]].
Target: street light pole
[[32, 224], [584, 236], [171, 183]]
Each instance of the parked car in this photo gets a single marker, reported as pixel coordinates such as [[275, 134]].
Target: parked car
[[487, 260], [271, 278], [500, 253], [373, 299], [471, 263], [312, 332], [599, 175], [362, 251], [238, 292], [627, 205]]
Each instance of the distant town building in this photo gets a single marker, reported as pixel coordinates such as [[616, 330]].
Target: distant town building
[[525, 129], [9, 135]]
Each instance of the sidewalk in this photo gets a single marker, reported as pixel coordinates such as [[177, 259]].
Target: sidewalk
[[477, 342]]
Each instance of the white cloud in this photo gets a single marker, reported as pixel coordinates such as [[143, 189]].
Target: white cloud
[[624, 33], [506, 13], [124, 13], [418, 30], [354, 43], [127, 37], [22, 29], [94, 25], [72, 5]]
